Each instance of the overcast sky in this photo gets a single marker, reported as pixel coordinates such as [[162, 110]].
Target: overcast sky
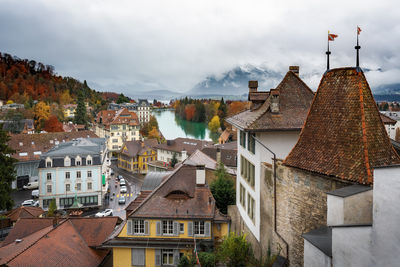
[[125, 46]]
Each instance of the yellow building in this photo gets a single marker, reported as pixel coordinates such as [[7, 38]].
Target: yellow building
[[69, 111], [134, 155], [166, 224]]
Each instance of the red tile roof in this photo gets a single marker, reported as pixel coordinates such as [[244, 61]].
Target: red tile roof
[[295, 99], [387, 120], [24, 212], [68, 244], [122, 116], [343, 135], [188, 144], [138, 147]]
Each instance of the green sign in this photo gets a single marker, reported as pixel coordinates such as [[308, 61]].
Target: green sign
[[103, 180]]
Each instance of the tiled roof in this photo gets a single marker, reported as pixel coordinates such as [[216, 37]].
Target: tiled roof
[[136, 202], [228, 156], [197, 202], [387, 119], [26, 226], [343, 136], [32, 144], [201, 158], [122, 116], [188, 144], [71, 243], [295, 98], [24, 212], [138, 147]]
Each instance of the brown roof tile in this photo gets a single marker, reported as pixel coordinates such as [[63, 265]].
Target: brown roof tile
[[138, 147], [188, 144], [295, 98], [122, 116], [25, 212], [195, 203], [343, 135], [43, 142], [387, 119]]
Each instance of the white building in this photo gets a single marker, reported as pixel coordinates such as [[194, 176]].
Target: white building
[[275, 120], [391, 120], [362, 225], [143, 110], [75, 168]]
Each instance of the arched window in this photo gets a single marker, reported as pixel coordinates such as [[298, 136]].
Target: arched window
[[67, 161], [78, 161], [49, 162], [89, 160]]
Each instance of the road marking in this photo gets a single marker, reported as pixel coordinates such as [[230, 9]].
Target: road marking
[[131, 194], [117, 195]]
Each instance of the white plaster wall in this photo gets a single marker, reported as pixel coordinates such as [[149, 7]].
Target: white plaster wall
[[335, 210], [358, 208], [386, 216], [166, 156], [313, 257], [280, 142], [351, 246]]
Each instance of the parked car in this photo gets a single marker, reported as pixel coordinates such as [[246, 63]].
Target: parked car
[[104, 213], [35, 193], [120, 177], [112, 172], [123, 189], [31, 185], [121, 200], [30, 203], [122, 182]]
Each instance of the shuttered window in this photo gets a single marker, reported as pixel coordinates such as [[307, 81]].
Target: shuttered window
[[138, 257], [247, 170]]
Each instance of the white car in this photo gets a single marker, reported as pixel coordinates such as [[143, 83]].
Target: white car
[[30, 203], [104, 213], [31, 185], [123, 189], [35, 193], [122, 182], [121, 200]]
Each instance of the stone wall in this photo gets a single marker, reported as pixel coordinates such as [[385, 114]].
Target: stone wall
[[301, 206]]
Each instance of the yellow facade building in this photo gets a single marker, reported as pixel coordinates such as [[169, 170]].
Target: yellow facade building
[[166, 225], [135, 155]]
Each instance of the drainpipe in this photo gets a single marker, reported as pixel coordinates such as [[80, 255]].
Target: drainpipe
[[275, 227]]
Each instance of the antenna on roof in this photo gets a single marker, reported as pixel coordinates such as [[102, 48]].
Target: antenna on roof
[[331, 37], [357, 47]]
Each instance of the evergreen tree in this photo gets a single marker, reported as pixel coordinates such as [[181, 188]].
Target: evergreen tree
[[122, 99], [223, 189], [174, 160], [222, 112], [52, 208], [80, 113], [7, 171]]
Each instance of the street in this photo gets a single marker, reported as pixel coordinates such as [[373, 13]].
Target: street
[[133, 185]]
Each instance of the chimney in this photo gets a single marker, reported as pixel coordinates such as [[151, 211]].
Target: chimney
[[274, 102], [200, 175], [218, 158], [294, 69], [184, 155], [253, 86]]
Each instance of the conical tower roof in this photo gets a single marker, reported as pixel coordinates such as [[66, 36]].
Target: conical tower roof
[[343, 135]]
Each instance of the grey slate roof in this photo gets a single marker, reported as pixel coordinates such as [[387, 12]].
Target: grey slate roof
[[153, 180], [349, 190], [321, 238]]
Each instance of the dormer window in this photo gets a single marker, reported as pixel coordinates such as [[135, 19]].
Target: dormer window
[[78, 161], [67, 161], [89, 160], [178, 194], [49, 163]]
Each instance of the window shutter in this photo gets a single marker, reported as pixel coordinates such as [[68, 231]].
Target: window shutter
[[176, 228], [138, 256], [142, 257], [190, 228], [176, 257], [146, 227], [158, 228], [207, 228], [158, 257], [129, 227]]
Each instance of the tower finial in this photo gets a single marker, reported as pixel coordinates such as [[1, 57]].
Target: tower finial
[[331, 37], [357, 47]]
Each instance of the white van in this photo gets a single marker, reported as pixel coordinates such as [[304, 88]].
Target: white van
[[35, 193], [32, 185]]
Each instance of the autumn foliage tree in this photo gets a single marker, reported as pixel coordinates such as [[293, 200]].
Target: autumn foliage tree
[[53, 125], [214, 124], [42, 114], [190, 111]]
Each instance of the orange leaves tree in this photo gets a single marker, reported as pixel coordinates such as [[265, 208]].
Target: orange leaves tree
[[190, 111], [53, 125]]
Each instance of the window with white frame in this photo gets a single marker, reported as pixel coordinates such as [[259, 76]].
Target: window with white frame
[[250, 206], [89, 174], [167, 256], [48, 176], [78, 161], [89, 186], [242, 196], [89, 160], [78, 186], [67, 161], [67, 175], [49, 188], [168, 227], [67, 187], [198, 227], [247, 170], [138, 226], [182, 228], [78, 174], [49, 163]]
